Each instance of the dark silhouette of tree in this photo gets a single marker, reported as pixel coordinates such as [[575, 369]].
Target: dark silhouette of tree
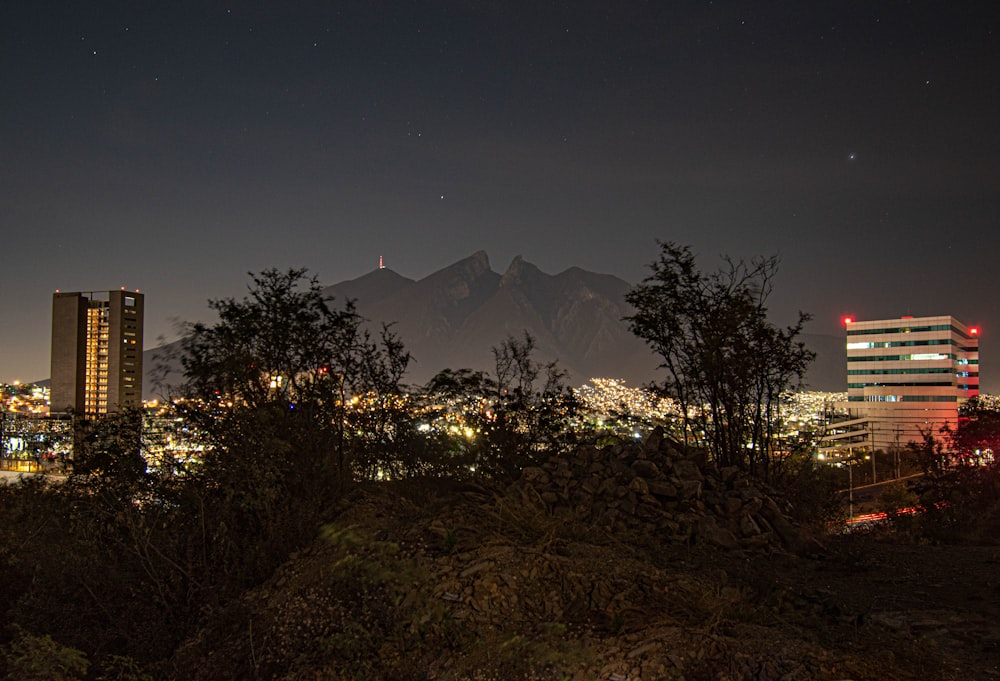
[[128, 554], [976, 438], [727, 365], [282, 357], [292, 397], [516, 417], [959, 491]]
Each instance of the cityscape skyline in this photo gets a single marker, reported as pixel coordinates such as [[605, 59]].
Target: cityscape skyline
[[175, 148]]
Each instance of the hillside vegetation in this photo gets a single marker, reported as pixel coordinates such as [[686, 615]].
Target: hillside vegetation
[[550, 579]]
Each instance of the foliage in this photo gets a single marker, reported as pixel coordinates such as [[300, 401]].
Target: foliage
[[276, 387], [976, 439], [124, 559], [727, 365], [94, 560], [959, 497], [39, 658], [107, 455], [516, 417], [388, 442], [810, 487], [121, 668], [895, 498], [285, 364]]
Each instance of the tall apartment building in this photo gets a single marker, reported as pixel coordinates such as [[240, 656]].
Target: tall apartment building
[[96, 351], [904, 377]]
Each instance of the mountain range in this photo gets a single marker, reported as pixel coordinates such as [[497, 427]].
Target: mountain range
[[455, 316]]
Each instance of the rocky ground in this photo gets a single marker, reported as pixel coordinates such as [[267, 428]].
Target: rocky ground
[[623, 563]]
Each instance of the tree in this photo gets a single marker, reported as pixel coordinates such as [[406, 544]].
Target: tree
[[959, 495], [516, 417], [727, 365], [274, 388], [387, 443], [107, 455], [530, 409], [897, 500], [123, 559], [976, 438]]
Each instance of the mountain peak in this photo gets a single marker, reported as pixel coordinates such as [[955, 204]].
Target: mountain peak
[[370, 287], [480, 259], [518, 270]]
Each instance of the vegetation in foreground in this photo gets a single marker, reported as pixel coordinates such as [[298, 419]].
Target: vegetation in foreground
[[125, 568]]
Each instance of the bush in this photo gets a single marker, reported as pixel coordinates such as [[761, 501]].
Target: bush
[[39, 658], [811, 488]]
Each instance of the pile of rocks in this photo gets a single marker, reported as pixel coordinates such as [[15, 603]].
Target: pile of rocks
[[656, 486]]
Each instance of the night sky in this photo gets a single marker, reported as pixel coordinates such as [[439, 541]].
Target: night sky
[[174, 146]]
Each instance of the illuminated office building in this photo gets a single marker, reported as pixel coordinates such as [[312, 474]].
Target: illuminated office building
[[96, 351], [905, 377]]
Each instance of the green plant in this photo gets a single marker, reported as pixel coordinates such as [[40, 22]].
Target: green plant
[[896, 497], [39, 658], [120, 668], [450, 539]]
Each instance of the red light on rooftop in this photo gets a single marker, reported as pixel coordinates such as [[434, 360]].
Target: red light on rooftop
[[974, 330], [847, 320]]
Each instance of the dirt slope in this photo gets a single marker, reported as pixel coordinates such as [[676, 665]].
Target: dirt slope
[[427, 581]]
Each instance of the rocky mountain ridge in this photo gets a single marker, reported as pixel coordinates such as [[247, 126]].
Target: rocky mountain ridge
[[453, 317]]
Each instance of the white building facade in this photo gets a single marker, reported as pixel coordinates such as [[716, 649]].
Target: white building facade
[[905, 377]]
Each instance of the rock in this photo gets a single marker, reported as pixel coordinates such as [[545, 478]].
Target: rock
[[606, 487], [654, 488], [639, 486], [685, 469], [662, 488], [655, 439], [748, 528], [621, 469], [787, 532], [707, 530], [690, 489], [645, 468], [535, 474], [728, 474]]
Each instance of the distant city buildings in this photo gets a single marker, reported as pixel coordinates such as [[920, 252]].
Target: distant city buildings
[[24, 398], [905, 377], [96, 351]]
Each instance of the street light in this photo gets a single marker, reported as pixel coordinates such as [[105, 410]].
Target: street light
[[850, 486], [850, 491]]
